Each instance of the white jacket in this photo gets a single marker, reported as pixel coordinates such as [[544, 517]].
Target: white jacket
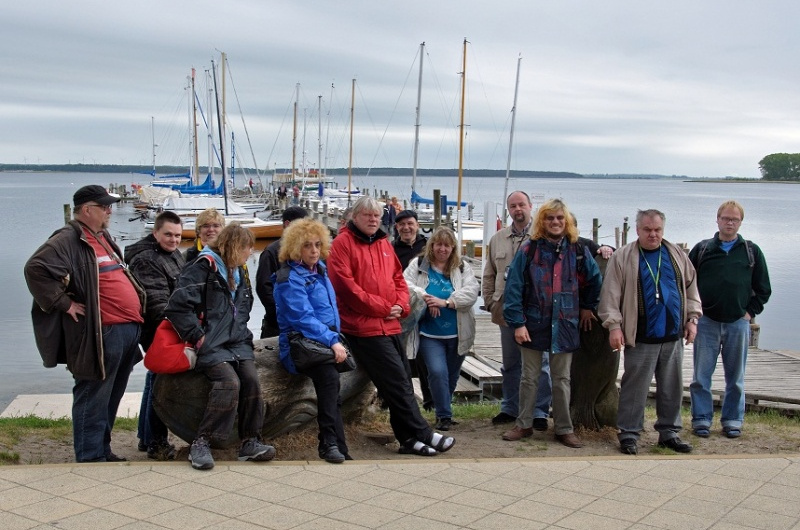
[[465, 294]]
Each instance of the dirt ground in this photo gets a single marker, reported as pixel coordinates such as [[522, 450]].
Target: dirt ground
[[474, 439]]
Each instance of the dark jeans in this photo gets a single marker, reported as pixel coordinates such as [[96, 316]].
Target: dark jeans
[[234, 388], [150, 427], [95, 403], [329, 415], [385, 361]]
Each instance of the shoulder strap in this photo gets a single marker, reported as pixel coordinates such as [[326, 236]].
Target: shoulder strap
[[282, 274], [747, 244]]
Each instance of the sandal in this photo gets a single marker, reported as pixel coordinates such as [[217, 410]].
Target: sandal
[[732, 432], [702, 432], [415, 447], [441, 442]]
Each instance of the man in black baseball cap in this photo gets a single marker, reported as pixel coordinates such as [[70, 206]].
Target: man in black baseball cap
[[94, 193]]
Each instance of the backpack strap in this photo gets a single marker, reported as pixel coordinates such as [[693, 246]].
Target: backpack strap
[[748, 245]]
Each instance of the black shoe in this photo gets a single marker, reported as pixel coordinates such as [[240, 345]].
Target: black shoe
[[332, 454], [111, 457], [503, 418], [628, 446], [142, 446], [161, 450], [676, 445], [443, 424], [540, 424]]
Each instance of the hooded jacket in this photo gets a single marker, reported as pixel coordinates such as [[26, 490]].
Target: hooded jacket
[[64, 269], [202, 305], [366, 275], [306, 303]]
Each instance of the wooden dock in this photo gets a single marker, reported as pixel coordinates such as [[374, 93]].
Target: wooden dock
[[772, 380]]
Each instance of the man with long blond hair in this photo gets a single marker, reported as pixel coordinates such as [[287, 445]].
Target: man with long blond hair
[[553, 287]]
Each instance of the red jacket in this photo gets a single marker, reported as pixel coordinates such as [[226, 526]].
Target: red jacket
[[368, 280]]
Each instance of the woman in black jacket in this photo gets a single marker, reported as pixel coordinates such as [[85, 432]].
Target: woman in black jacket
[[210, 308]]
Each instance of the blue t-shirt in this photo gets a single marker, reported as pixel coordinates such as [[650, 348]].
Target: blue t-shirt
[[445, 325]]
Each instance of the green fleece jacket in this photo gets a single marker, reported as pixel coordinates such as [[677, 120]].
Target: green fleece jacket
[[728, 286]]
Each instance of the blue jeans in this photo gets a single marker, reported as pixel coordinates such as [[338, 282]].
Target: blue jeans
[[732, 340], [512, 372], [150, 427], [444, 367], [95, 403]]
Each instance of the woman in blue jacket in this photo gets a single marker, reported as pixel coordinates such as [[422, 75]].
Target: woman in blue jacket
[[305, 302]]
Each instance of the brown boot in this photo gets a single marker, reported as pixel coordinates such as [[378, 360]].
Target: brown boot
[[570, 440], [517, 433]]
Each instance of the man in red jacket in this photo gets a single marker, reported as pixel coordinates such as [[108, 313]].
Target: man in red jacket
[[372, 297]]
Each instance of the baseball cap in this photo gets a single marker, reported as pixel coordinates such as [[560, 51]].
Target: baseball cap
[[95, 193]]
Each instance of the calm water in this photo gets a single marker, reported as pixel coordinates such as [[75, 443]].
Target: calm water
[[32, 206]]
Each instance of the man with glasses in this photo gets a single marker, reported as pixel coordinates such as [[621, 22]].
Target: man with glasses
[[552, 288], [734, 285], [87, 313]]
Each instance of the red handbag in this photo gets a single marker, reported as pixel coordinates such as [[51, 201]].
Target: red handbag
[[168, 353]]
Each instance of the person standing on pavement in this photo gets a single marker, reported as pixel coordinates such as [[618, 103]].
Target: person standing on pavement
[[156, 262], [649, 303], [733, 282], [87, 312], [501, 251], [551, 293], [372, 296], [268, 264]]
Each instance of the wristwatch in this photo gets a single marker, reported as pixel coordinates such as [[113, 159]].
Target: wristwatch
[[693, 320], [447, 304]]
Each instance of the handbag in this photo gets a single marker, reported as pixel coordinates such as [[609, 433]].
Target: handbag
[[168, 353], [307, 353]]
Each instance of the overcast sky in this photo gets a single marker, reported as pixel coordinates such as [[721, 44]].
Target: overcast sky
[[682, 87]]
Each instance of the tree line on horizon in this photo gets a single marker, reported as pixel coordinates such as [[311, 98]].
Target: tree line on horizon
[[780, 167]]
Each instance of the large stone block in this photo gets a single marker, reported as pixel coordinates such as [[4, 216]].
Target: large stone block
[[290, 400]]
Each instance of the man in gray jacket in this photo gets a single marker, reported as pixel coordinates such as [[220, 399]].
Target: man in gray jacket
[[87, 311], [499, 254]]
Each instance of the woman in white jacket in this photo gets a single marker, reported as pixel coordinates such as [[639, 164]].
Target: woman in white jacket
[[446, 331]]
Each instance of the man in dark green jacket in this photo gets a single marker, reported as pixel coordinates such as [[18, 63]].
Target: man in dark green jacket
[[733, 281]]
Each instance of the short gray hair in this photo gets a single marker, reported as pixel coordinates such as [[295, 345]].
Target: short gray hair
[[641, 214], [366, 204]]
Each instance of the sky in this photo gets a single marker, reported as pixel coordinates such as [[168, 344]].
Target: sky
[[703, 89]]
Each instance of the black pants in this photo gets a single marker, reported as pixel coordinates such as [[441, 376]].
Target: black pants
[[329, 415], [385, 361], [234, 388]]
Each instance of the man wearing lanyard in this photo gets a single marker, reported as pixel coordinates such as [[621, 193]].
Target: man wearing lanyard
[[502, 248], [87, 311], [649, 302]]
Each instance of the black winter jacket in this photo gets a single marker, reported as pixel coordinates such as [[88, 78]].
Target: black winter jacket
[[157, 270], [201, 305]]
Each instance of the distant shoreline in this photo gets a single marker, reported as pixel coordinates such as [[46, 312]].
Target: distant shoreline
[[146, 171]]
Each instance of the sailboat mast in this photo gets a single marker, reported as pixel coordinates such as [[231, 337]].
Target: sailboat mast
[[294, 131], [221, 137], [153, 137], [195, 162], [417, 123], [461, 145], [511, 141], [319, 137], [350, 164], [461, 133]]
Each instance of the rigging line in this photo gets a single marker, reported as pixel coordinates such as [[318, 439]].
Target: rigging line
[[241, 114], [394, 111], [286, 114]]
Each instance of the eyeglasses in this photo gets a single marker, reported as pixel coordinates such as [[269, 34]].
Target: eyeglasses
[[734, 220], [105, 207]]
